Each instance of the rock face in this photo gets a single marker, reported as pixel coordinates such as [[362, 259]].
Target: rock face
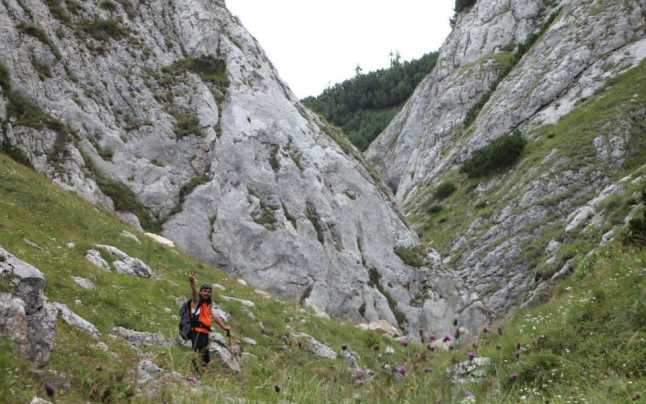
[[530, 66], [25, 316], [175, 118]]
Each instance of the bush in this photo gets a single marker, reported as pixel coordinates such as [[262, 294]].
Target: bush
[[411, 256], [108, 6], [208, 68], [187, 124], [104, 30], [502, 153], [444, 190]]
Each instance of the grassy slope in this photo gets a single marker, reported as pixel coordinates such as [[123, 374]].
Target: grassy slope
[[587, 344], [588, 341]]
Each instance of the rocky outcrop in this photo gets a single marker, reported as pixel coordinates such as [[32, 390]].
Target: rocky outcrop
[[312, 345], [527, 66], [121, 262], [171, 115], [140, 339], [25, 315]]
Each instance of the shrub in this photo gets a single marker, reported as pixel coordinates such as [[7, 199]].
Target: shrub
[[444, 190], [495, 157], [413, 256], [108, 5], [29, 114], [208, 68], [104, 30], [435, 209], [187, 124]]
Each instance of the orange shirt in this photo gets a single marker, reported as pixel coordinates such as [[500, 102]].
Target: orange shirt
[[205, 317]]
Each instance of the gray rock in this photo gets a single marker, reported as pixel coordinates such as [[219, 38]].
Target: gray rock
[[25, 316], [246, 303], [249, 341], [84, 283], [260, 189], [130, 236], [94, 258], [38, 400], [225, 355], [312, 345], [471, 371], [77, 321], [125, 264], [141, 339]]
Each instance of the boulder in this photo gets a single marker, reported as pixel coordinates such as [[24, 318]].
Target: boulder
[[312, 345], [470, 371], [141, 339], [84, 283], [382, 327], [77, 321], [125, 264], [160, 239], [94, 257]]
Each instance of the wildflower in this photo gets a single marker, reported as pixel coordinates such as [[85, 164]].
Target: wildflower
[[472, 356], [401, 370], [49, 390], [432, 339], [446, 339], [514, 377]]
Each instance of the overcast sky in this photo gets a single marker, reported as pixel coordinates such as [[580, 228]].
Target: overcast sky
[[316, 43]]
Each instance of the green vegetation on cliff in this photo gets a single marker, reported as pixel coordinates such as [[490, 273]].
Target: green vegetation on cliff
[[364, 105]]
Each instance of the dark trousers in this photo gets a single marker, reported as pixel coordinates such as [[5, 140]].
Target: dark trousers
[[200, 344]]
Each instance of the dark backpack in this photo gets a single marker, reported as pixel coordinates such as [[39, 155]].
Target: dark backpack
[[185, 323]]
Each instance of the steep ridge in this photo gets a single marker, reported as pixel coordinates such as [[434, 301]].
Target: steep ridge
[[171, 114], [569, 76]]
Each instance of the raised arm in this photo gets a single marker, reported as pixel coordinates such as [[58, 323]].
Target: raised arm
[[195, 296]]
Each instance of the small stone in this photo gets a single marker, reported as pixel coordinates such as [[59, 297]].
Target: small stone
[[242, 282]]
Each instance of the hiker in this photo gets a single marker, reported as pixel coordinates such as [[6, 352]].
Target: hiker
[[201, 319]]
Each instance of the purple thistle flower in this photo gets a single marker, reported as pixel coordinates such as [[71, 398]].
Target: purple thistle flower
[[401, 370], [472, 356], [50, 390], [446, 339], [433, 338]]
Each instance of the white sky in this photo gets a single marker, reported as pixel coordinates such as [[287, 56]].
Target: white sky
[[316, 43]]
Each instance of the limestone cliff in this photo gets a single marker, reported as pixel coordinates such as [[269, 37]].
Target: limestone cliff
[[559, 73], [170, 114]]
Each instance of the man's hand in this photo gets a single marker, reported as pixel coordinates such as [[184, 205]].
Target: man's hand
[[191, 277]]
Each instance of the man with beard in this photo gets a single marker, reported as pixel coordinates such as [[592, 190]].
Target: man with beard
[[201, 319]]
